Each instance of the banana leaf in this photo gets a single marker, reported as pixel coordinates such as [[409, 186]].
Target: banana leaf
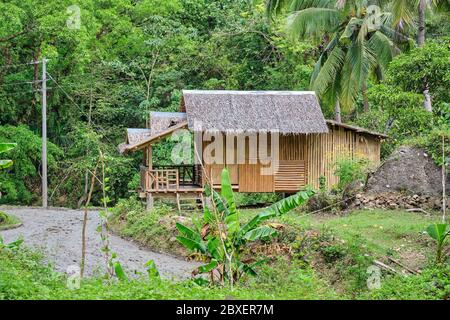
[[208, 267], [4, 147], [188, 233], [192, 244], [438, 231], [260, 233]]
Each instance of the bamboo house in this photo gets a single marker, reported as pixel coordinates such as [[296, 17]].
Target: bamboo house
[[270, 141]]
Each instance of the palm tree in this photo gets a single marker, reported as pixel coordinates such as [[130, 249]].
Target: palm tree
[[358, 44], [404, 15]]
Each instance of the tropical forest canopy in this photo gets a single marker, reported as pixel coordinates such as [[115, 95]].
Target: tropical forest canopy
[[110, 62]]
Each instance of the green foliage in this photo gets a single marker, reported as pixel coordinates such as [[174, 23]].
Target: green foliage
[[355, 49], [5, 147], [255, 199], [430, 62], [431, 284], [222, 238], [6, 220], [22, 180], [401, 115], [438, 232], [350, 170], [25, 276]]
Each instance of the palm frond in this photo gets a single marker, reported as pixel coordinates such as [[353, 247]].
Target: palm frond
[[318, 65], [403, 12], [274, 7], [383, 48], [312, 22], [297, 5], [358, 62], [329, 71]]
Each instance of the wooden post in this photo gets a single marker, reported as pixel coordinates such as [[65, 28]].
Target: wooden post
[[149, 164], [149, 201]]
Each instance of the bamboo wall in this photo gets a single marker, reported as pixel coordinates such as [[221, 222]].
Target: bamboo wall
[[303, 159], [323, 150]]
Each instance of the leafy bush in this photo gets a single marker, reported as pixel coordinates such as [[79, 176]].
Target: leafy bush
[[432, 283], [351, 170], [255, 199], [432, 143], [7, 220], [155, 229], [429, 62], [20, 181]]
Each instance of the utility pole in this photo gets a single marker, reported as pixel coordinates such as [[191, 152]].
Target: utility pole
[[44, 134]]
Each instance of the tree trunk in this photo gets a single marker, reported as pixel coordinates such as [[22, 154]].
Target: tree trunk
[[364, 95], [421, 31], [337, 111]]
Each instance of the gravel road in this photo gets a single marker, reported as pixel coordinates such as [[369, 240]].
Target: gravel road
[[57, 233]]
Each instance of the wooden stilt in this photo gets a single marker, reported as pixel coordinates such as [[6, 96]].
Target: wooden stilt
[[149, 201], [178, 202], [202, 198]]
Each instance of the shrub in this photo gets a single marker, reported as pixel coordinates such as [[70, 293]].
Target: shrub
[[255, 199], [432, 283], [351, 170], [19, 182]]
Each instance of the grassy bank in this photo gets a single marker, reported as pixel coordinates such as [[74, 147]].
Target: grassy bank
[[24, 276], [8, 221], [313, 257], [337, 248]]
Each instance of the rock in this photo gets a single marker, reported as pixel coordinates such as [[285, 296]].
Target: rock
[[411, 170]]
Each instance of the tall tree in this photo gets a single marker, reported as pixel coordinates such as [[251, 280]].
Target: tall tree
[[405, 13]]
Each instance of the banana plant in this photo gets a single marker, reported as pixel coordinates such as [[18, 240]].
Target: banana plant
[[222, 238], [4, 147], [438, 232]]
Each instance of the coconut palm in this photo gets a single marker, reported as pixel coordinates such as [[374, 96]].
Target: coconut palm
[[358, 44]]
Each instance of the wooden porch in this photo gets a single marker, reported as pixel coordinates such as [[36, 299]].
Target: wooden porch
[[182, 182]]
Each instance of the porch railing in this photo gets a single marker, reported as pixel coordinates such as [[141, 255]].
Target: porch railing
[[159, 180]]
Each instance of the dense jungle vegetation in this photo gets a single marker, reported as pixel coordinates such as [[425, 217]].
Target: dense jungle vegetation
[[383, 65], [126, 58]]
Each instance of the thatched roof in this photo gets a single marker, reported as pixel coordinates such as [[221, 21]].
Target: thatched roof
[[153, 138], [357, 129], [288, 112], [134, 135], [161, 121]]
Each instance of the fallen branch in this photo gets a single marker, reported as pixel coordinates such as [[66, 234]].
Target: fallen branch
[[419, 210], [385, 267], [331, 205], [403, 266]]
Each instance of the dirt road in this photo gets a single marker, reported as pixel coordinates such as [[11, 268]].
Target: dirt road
[[57, 233]]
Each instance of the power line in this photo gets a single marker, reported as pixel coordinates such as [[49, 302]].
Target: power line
[[19, 65], [19, 82]]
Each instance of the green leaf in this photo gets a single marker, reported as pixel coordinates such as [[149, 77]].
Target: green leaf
[[192, 244], [281, 207], [4, 147], [437, 231], [119, 271], [188, 233], [208, 267], [260, 233], [215, 249], [152, 271], [5, 164]]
